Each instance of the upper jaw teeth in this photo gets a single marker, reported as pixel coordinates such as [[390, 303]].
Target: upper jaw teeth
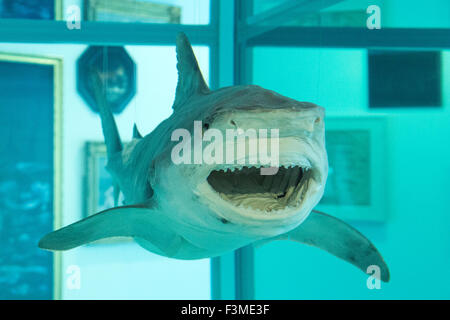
[[303, 163], [234, 167], [244, 186]]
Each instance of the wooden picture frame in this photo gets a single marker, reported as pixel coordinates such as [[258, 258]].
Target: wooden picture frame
[[356, 188], [131, 11], [53, 68]]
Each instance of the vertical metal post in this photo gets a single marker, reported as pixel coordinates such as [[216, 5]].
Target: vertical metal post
[[223, 273], [244, 257], [243, 71]]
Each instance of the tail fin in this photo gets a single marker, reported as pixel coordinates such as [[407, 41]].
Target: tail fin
[[110, 132]]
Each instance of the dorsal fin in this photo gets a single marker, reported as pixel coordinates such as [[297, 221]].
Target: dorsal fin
[[190, 79], [136, 133]]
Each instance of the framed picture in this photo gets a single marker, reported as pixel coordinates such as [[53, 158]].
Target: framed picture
[[356, 188], [131, 11], [117, 72], [99, 184], [405, 79], [31, 9], [30, 174], [99, 188]]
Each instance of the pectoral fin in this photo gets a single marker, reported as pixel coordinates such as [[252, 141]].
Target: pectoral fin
[[126, 221], [340, 239]]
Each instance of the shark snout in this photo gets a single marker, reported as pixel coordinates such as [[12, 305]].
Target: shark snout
[[289, 121]]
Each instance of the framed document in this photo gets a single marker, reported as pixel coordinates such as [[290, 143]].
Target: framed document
[[30, 174], [356, 187], [131, 11], [405, 79]]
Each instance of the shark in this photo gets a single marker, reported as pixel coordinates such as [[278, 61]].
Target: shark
[[203, 210]]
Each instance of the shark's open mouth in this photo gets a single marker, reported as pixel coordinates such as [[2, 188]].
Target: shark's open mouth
[[247, 187]]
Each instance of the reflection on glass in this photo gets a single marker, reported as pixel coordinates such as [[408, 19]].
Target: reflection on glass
[[353, 13]]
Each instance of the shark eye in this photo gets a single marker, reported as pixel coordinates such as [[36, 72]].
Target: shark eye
[[205, 128], [233, 123]]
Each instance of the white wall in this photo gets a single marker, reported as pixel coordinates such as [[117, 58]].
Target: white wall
[[124, 270]]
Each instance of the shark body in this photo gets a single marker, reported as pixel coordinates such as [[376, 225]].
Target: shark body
[[194, 211]]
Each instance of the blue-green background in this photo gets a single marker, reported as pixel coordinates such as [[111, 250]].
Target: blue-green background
[[413, 236]]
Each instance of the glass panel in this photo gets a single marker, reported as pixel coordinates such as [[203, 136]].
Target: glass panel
[[146, 11], [373, 177], [360, 13], [118, 269]]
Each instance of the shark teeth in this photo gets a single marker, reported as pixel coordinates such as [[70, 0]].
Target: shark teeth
[[245, 187], [305, 165]]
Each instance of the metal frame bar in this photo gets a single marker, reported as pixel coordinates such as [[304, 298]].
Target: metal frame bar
[[244, 257], [209, 36], [354, 38], [245, 273], [243, 55], [223, 278], [104, 33]]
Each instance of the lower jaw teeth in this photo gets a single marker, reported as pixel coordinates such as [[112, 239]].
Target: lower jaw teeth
[[246, 188], [288, 194], [266, 202]]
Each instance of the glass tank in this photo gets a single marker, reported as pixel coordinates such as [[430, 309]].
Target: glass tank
[[372, 76]]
